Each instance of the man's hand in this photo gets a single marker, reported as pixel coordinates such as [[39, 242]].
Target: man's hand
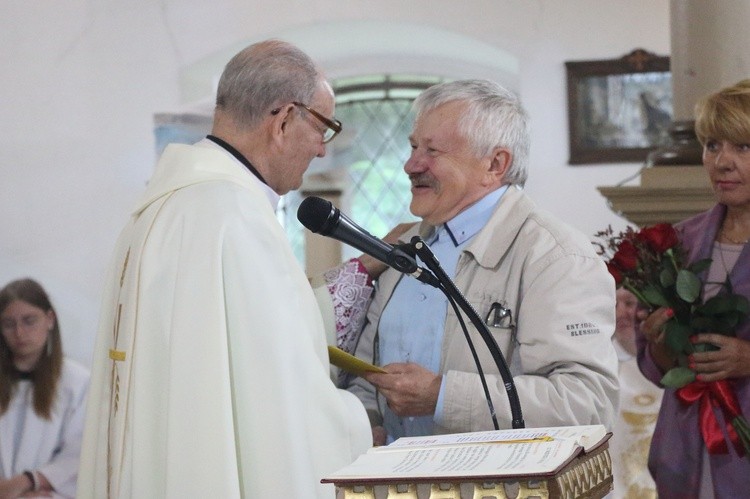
[[376, 267], [410, 389], [379, 436]]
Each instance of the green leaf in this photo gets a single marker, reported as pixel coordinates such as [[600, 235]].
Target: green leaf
[[700, 266], [719, 304], [741, 304], [688, 286], [720, 314], [677, 377], [677, 336], [700, 323], [723, 325], [667, 277], [728, 324], [705, 347], [654, 296]]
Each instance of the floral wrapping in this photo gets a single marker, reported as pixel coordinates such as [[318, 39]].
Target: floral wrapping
[[350, 287]]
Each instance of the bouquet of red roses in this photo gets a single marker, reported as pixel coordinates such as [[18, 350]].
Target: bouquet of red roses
[[650, 263]]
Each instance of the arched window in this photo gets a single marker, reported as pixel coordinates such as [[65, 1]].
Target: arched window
[[365, 162], [376, 114]]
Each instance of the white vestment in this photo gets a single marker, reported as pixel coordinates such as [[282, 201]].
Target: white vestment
[[210, 373], [51, 447], [639, 407]]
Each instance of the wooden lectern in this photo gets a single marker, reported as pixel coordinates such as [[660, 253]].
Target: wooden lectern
[[582, 474]]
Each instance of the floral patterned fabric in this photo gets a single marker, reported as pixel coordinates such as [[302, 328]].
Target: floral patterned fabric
[[351, 289]]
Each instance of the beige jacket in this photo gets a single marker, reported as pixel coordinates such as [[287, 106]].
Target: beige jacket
[[562, 301]]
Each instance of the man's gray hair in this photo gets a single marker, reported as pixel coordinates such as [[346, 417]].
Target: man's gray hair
[[263, 76], [494, 118]]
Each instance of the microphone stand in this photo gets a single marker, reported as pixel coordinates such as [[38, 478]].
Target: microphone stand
[[455, 297]]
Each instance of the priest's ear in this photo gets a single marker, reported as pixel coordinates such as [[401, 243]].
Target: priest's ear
[[281, 118]]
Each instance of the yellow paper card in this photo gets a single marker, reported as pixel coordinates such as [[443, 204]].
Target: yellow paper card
[[350, 363]]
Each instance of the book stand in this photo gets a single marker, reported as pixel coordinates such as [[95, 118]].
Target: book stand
[[588, 476]]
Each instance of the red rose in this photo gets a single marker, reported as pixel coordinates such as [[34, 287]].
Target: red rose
[[626, 257], [659, 237], [615, 272]]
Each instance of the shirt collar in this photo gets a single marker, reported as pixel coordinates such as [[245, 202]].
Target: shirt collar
[[272, 196], [469, 222]]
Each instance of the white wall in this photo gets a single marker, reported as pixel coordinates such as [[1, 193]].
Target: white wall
[[81, 81]]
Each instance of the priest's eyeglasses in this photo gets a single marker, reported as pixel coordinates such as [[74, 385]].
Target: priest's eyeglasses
[[333, 127]]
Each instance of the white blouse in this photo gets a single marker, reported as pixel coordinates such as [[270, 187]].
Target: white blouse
[[51, 447]]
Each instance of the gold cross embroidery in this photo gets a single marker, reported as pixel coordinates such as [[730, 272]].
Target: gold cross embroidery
[[116, 356], [124, 267]]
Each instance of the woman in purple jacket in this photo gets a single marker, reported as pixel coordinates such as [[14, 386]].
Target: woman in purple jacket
[[679, 460]]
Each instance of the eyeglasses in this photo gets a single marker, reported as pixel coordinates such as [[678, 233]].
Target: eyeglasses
[[333, 127], [26, 322]]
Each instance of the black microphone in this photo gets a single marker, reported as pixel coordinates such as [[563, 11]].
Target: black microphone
[[321, 217]]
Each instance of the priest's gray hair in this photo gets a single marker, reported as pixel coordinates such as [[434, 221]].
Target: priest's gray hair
[[263, 77], [494, 118]]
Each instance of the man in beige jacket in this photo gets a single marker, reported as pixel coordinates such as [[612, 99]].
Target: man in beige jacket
[[546, 296]]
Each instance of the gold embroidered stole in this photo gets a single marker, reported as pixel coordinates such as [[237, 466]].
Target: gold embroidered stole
[[124, 330]]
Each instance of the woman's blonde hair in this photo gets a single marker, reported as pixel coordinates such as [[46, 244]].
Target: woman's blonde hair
[[725, 115]]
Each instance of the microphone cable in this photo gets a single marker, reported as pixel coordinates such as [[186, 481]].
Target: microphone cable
[[450, 288], [321, 217], [473, 350], [411, 251]]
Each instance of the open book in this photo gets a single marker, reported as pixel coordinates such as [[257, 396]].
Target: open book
[[500, 454]]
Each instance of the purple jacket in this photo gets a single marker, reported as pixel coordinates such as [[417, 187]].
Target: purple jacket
[[677, 446]]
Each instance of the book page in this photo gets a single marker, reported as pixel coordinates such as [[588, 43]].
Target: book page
[[483, 459], [586, 436]]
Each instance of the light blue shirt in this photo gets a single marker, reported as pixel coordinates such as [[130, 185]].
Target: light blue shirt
[[412, 324]]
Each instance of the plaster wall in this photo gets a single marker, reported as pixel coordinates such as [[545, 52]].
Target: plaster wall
[[81, 81]]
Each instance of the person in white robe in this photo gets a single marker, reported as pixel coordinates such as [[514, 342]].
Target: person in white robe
[[210, 374], [639, 407], [42, 398]]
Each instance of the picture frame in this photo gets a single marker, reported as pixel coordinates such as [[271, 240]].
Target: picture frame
[[619, 110]]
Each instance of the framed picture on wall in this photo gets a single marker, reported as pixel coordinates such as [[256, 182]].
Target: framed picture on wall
[[619, 110]]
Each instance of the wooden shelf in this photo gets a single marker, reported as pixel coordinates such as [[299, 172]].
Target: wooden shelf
[[666, 194]]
